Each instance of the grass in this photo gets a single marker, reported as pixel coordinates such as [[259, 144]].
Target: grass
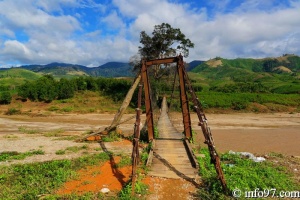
[[72, 149], [243, 174], [111, 137], [54, 133], [227, 100], [10, 137], [14, 77], [13, 155], [69, 137], [60, 152], [139, 190], [12, 111], [26, 130], [243, 101], [125, 161], [31, 181]]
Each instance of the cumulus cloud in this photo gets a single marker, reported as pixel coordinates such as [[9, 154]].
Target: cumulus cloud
[[91, 33]]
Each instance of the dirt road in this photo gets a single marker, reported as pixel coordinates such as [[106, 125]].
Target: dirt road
[[255, 133]]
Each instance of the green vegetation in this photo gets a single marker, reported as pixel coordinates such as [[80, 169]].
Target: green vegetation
[[54, 133], [30, 181], [13, 111], [254, 102], [73, 149], [5, 97], [26, 130], [244, 174], [11, 79], [48, 89], [271, 75], [14, 77], [125, 161], [13, 155], [111, 137], [232, 100], [238, 84], [139, 189]]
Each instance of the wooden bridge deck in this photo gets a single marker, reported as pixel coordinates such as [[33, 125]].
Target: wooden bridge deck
[[170, 157]]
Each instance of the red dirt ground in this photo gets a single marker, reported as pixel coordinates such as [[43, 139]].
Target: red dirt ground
[[93, 179]]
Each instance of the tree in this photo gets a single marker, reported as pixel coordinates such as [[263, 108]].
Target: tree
[[164, 42], [81, 84], [5, 97], [46, 88], [66, 89]]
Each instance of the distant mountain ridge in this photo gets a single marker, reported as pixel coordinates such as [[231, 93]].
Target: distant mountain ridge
[[278, 75], [217, 67], [110, 69]]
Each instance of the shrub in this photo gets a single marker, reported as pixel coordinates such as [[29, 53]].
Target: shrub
[[5, 97], [12, 111]]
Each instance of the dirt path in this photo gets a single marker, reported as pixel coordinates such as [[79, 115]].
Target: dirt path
[[255, 133]]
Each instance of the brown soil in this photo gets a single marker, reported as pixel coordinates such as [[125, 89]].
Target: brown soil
[[93, 179], [170, 189], [256, 133]]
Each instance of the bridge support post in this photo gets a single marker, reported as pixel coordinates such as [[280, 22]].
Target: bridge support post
[[184, 100], [149, 114]]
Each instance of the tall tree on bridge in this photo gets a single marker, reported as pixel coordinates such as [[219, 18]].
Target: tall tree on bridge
[[164, 42]]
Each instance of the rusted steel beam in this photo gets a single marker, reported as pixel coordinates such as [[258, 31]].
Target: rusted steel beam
[[184, 100], [161, 61], [207, 133], [149, 113]]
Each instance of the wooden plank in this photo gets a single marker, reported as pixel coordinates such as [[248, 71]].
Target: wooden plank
[[179, 162], [170, 157]]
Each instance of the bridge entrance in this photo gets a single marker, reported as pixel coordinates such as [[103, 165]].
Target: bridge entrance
[[184, 86]]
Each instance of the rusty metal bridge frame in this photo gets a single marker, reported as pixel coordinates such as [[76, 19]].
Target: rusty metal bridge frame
[[183, 82]]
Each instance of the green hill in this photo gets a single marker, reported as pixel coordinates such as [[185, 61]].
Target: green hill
[[279, 75], [66, 72], [12, 77]]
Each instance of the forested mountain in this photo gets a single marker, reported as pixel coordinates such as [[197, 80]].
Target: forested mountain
[[288, 63], [110, 69], [280, 75]]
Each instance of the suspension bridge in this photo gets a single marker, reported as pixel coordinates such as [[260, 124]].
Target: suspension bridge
[[171, 155], [172, 158]]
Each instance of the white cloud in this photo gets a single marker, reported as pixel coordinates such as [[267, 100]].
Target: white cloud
[[113, 21], [16, 49], [90, 33]]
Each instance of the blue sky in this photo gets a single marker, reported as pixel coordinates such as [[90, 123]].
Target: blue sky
[[93, 32]]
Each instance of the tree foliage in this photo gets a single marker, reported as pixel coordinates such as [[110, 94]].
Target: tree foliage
[[5, 97], [165, 41], [241, 87], [65, 88], [47, 89]]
